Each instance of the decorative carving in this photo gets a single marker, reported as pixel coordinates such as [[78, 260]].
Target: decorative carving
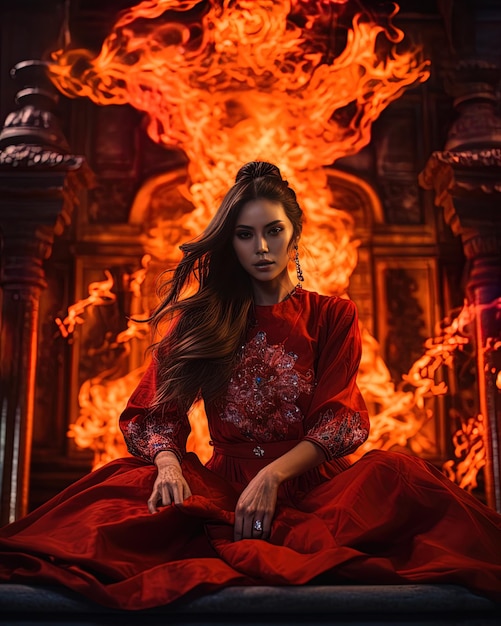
[[28, 155], [488, 157], [473, 83], [483, 245], [109, 201], [471, 171], [401, 201], [405, 339]]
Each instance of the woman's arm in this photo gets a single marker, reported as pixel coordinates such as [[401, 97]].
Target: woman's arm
[[149, 431], [170, 485], [157, 436], [258, 500]]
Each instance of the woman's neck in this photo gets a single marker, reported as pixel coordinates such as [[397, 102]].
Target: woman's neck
[[273, 292]]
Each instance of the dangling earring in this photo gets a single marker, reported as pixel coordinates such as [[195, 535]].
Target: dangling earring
[[299, 271]]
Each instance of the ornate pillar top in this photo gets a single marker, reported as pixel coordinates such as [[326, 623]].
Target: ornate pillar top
[[39, 176], [472, 84], [31, 136], [466, 175]]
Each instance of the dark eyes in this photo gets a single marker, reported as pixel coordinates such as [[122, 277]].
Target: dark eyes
[[243, 234], [275, 230], [247, 234]]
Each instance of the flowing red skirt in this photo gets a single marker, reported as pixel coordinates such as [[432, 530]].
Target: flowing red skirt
[[389, 518]]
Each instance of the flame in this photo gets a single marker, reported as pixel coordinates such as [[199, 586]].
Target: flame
[[101, 401], [469, 451], [99, 294], [232, 81], [404, 411], [103, 397]]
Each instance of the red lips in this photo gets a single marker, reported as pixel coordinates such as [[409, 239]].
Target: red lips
[[263, 263]]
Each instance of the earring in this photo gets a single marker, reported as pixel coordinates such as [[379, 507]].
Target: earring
[[299, 271]]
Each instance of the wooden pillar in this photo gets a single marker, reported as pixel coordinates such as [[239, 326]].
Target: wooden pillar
[[37, 189], [466, 177]]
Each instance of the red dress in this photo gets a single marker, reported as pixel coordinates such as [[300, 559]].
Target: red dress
[[388, 518]]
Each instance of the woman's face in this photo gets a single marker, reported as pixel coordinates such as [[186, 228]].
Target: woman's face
[[262, 239]]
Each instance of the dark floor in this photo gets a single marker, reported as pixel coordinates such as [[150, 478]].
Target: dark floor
[[357, 605]]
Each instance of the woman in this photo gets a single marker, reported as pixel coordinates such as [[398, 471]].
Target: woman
[[277, 503]]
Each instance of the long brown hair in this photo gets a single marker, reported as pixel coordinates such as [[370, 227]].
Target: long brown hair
[[208, 297]]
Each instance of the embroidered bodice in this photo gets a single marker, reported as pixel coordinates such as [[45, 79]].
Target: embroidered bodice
[[261, 400], [295, 378]]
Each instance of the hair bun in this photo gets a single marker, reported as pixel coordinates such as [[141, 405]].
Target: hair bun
[[257, 169]]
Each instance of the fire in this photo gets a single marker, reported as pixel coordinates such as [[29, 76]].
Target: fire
[[231, 81], [469, 451], [103, 397], [99, 294], [101, 402], [405, 410]]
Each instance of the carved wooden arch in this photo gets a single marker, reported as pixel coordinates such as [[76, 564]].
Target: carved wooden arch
[[355, 196], [360, 200], [153, 196], [351, 194]]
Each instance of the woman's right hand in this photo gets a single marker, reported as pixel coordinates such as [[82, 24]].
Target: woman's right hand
[[170, 485]]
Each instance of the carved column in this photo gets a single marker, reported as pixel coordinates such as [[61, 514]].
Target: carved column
[[466, 178], [37, 191]]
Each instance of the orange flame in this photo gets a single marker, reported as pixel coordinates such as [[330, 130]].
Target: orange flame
[[99, 294], [101, 402], [404, 410], [103, 397], [243, 81], [469, 451]]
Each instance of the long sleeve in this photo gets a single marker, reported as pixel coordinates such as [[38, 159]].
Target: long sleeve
[[150, 431], [338, 419]]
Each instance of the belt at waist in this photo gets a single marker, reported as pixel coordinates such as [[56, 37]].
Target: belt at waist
[[254, 450]]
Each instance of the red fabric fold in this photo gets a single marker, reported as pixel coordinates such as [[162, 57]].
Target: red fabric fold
[[389, 518]]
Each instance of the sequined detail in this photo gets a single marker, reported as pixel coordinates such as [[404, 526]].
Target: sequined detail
[[339, 433], [262, 393], [150, 436], [258, 451]]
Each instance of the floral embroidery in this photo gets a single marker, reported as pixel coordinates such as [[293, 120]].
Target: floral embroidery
[[262, 393], [339, 434], [150, 436]]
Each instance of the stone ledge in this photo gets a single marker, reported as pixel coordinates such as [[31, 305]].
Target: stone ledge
[[297, 600]]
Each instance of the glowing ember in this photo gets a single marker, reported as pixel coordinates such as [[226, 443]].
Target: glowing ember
[[237, 80]]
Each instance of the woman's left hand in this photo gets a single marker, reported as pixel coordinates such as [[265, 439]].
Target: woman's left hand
[[256, 507]]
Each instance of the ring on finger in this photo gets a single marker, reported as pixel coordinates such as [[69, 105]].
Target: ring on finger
[[258, 526]]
